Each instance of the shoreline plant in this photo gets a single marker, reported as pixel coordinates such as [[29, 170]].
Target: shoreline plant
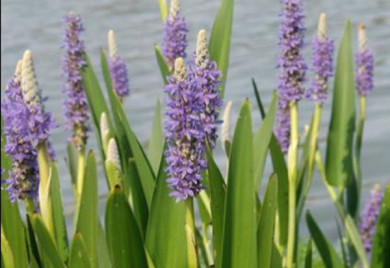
[[169, 205]]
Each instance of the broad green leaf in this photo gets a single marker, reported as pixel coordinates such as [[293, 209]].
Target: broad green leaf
[[87, 210], [78, 255], [46, 243], [103, 255], [123, 237], [136, 197], [276, 257], [163, 9], [339, 164], [239, 231], [380, 257], [217, 188], [165, 236], [55, 198], [128, 142], [7, 256], [220, 38], [280, 169], [325, 248], [156, 141], [265, 231], [14, 230], [261, 141], [164, 68]]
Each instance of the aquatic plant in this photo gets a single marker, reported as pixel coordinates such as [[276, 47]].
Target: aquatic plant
[[150, 217]]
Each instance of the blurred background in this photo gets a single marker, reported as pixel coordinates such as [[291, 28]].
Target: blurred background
[[37, 25]]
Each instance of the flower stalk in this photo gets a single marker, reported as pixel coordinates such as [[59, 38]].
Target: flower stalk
[[192, 254]]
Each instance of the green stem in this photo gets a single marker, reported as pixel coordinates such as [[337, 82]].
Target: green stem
[[192, 255], [44, 162], [292, 178], [80, 171], [310, 159], [359, 140]]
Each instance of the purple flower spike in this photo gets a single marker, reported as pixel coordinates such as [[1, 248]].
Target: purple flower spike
[[185, 154], [40, 123], [175, 36], [118, 70], [291, 64], [75, 106], [206, 78], [23, 178], [369, 217], [364, 64], [322, 63]]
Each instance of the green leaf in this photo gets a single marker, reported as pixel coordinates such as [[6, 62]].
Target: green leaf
[[78, 255], [217, 188], [380, 257], [339, 164], [123, 237], [325, 248], [261, 141], [128, 143], [220, 38], [165, 236], [97, 103], [46, 242], [265, 231], [164, 68], [55, 198], [239, 232], [308, 257], [32, 244], [156, 141], [136, 196], [103, 255], [7, 256], [163, 9], [87, 210], [14, 230], [258, 99], [280, 169], [356, 240]]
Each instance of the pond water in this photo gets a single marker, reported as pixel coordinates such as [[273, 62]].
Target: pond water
[[37, 25]]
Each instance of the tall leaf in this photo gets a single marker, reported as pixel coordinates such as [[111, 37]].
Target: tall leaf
[[261, 141], [265, 231], [325, 248], [46, 243], [217, 188], [123, 237], [239, 231], [87, 210], [339, 164], [78, 256], [165, 236], [130, 144], [220, 37], [156, 142], [164, 68]]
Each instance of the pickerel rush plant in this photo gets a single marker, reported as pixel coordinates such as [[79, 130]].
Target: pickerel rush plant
[[150, 215]]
